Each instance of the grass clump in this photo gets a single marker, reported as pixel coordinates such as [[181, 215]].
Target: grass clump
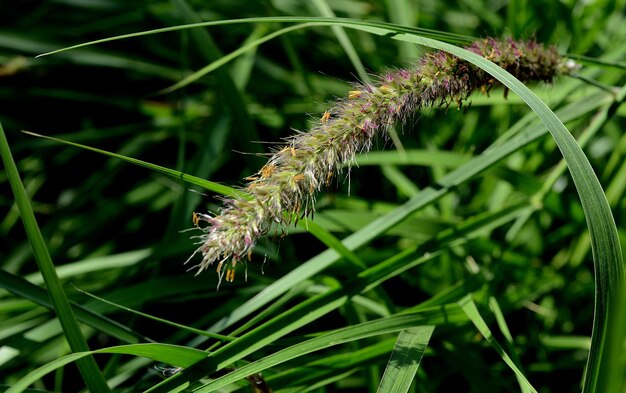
[[471, 229]]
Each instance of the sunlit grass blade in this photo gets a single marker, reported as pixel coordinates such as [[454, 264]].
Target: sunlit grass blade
[[413, 157], [91, 265], [604, 365], [331, 241], [405, 359], [88, 368]]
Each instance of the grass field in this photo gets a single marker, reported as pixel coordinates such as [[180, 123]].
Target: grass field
[[473, 249]]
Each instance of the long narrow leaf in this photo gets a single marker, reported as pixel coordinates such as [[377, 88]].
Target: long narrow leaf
[[206, 184], [88, 368], [468, 305]]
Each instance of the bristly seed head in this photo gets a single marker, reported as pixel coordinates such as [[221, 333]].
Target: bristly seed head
[[284, 188]]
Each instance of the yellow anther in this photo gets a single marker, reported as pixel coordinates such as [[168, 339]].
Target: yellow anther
[[325, 117], [354, 94], [267, 171], [230, 275]]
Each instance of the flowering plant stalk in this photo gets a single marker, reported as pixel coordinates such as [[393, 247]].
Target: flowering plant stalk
[[285, 187]]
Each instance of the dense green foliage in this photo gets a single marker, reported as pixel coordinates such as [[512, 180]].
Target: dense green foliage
[[455, 257]]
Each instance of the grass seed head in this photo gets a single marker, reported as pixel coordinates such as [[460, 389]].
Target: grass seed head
[[288, 181]]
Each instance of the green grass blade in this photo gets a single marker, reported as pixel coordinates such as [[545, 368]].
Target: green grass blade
[[435, 316], [24, 289], [88, 368], [229, 57], [206, 184], [160, 320], [174, 355], [325, 10], [497, 311], [331, 241], [320, 21], [413, 157], [405, 359], [468, 305]]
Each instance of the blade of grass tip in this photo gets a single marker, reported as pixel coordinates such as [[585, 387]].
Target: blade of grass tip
[[405, 359], [206, 184], [347, 22], [88, 368], [189, 329], [469, 307], [324, 9]]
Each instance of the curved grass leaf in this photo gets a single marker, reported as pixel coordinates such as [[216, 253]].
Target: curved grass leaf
[[608, 333], [387, 28]]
